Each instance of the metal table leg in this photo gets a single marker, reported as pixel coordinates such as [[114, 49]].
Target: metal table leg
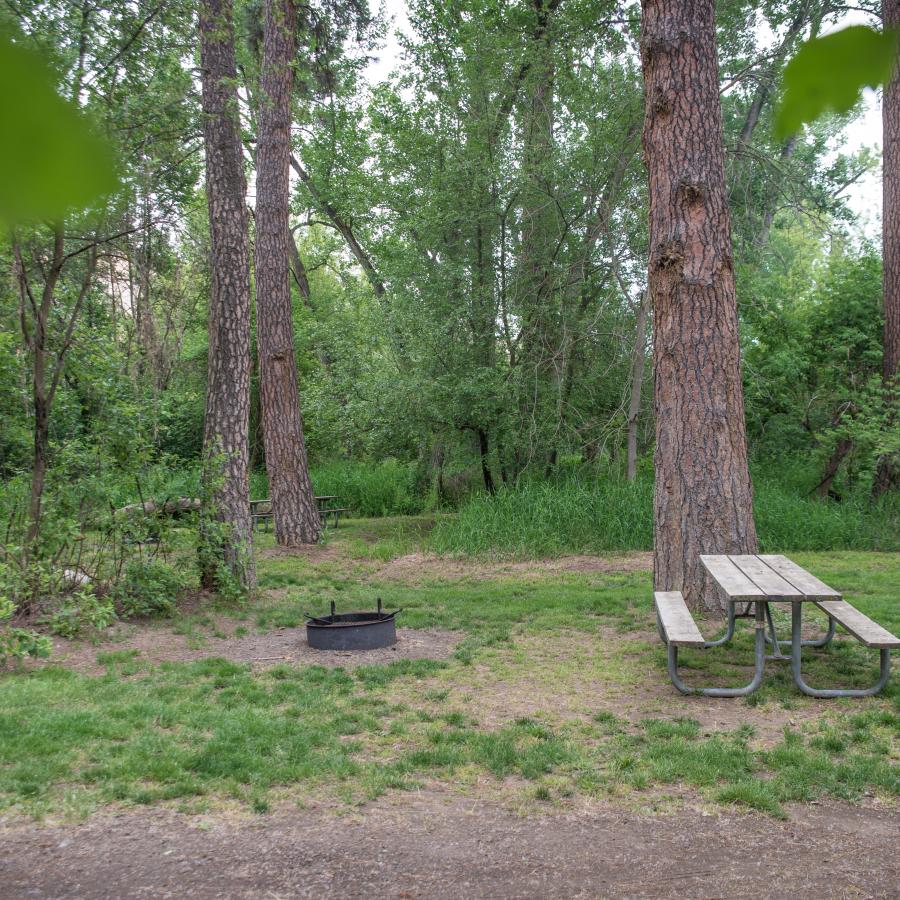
[[773, 639], [760, 663], [796, 664], [729, 631]]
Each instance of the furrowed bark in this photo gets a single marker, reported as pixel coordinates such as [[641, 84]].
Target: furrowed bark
[[887, 475], [290, 488], [637, 381], [226, 536], [703, 495]]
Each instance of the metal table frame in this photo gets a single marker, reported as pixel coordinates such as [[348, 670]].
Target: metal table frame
[[764, 626]]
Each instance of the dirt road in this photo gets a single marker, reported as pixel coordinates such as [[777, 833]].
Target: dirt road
[[440, 845]]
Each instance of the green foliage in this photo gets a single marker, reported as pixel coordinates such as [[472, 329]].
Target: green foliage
[[16, 643], [385, 488], [576, 515], [19, 643], [828, 74], [149, 588], [813, 350], [81, 612], [55, 161]]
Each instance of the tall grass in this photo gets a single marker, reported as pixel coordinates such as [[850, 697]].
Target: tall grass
[[368, 489], [550, 518], [582, 515]]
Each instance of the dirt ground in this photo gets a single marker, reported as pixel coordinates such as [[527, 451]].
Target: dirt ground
[[417, 567], [436, 844], [155, 645]]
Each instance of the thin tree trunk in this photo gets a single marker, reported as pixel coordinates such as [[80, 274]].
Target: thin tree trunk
[[343, 227], [298, 270], [226, 539], [638, 357], [290, 488], [841, 449], [887, 475], [484, 455], [703, 495]]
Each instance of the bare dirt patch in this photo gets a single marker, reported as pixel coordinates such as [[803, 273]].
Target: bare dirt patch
[[328, 552], [156, 645], [436, 844], [574, 675], [418, 567]]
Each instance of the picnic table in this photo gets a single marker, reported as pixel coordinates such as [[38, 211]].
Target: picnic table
[[261, 510], [754, 582]]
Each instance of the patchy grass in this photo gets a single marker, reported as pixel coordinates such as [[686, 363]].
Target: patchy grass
[[558, 689]]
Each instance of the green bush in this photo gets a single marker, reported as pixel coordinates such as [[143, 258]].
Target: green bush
[[16, 643], [149, 589], [82, 611]]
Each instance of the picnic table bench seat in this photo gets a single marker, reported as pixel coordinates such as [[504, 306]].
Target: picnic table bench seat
[[864, 629], [757, 581], [675, 620]]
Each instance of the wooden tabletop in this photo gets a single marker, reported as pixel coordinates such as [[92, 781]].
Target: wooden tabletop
[[766, 577]]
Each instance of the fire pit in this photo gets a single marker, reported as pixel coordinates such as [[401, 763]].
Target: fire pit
[[352, 630]]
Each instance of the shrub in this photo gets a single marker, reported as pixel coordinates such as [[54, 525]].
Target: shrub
[[149, 589], [16, 643], [82, 611]]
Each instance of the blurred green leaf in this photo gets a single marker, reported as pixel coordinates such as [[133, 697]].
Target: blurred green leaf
[[50, 159], [829, 73]]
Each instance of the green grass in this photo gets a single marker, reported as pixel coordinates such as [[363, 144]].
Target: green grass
[[196, 732], [386, 488], [199, 734], [596, 515]]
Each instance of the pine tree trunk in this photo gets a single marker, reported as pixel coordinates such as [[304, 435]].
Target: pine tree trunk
[[638, 359], [887, 476], [293, 504], [703, 496], [226, 534]]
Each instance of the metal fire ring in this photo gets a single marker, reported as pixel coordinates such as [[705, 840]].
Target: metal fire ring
[[352, 630]]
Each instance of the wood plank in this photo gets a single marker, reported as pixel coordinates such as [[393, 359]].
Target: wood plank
[[765, 578], [810, 586], [859, 624], [733, 582], [676, 619]]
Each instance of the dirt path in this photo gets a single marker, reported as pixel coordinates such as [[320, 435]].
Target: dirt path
[[440, 845]]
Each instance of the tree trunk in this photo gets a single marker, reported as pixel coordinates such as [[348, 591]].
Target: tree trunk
[[887, 475], [343, 227], [290, 488], [226, 539], [703, 495], [484, 456], [841, 449], [39, 463], [637, 381]]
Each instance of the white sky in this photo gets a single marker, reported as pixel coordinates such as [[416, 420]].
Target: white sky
[[864, 197]]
